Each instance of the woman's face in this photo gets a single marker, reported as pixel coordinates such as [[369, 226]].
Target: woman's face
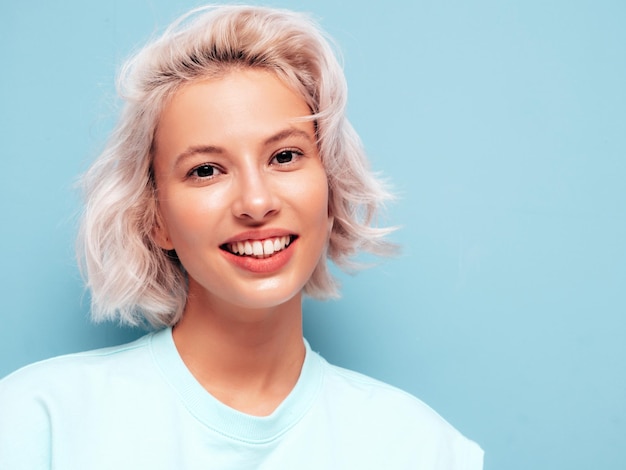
[[242, 193]]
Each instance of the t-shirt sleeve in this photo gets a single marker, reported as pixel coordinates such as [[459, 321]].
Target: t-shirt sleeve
[[472, 456], [24, 425], [455, 451], [452, 450]]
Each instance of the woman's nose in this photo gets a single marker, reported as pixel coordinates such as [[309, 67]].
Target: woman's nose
[[256, 198]]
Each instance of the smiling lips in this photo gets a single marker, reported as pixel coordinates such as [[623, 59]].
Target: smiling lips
[[259, 249]]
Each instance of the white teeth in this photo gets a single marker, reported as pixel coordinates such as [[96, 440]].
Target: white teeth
[[260, 248], [257, 248]]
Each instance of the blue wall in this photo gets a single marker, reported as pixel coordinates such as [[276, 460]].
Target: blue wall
[[503, 127]]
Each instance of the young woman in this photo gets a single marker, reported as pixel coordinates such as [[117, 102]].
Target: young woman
[[232, 177]]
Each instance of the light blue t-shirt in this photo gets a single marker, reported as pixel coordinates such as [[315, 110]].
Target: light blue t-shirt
[[137, 406]]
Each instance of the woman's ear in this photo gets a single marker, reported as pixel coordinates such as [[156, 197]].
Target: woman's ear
[[331, 222], [161, 235]]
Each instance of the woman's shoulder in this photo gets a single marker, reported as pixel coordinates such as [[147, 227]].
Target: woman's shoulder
[[360, 388], [61, 371], [66, 392], [383, 409]]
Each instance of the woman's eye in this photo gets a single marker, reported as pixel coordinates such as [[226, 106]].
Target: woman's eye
[[286, 156], [204, 171]]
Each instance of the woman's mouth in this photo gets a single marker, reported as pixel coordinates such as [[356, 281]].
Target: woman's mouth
[[259, 248]]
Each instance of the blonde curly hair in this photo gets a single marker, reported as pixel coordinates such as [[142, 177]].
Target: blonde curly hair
[[133, 280]]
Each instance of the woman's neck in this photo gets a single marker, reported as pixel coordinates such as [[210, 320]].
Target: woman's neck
[[248, 359]]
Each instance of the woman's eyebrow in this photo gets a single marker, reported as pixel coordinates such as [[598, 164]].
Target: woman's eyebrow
[[197, 149], [286, 133]]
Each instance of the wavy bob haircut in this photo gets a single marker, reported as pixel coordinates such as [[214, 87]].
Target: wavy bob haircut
[[133, 280]]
